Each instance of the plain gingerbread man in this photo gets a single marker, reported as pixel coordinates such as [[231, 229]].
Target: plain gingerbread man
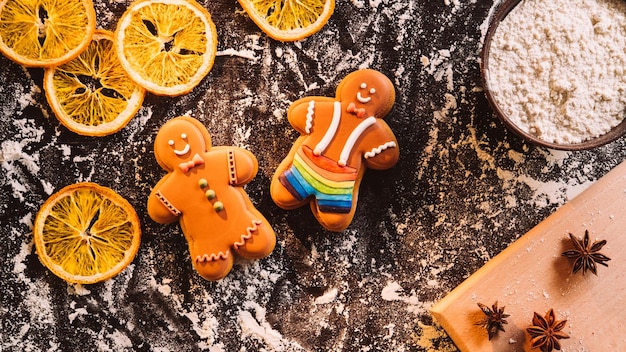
[[340, 139], [203, 191]]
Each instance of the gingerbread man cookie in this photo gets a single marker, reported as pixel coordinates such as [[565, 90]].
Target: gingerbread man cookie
[[340, 139], [203, 190]]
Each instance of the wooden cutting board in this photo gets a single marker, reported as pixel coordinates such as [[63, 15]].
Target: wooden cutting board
[[532, 276]]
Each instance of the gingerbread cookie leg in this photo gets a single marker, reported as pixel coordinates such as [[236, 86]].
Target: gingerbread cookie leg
[[338, 218], [213, 268], [257, 241], [332, 221], [284, 192]]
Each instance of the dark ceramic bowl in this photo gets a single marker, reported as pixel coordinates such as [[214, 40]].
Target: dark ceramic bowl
[[499, 15]]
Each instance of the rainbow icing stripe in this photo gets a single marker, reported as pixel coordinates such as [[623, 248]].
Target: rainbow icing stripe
[[331, 184]]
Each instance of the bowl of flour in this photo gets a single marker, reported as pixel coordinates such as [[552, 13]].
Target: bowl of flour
[[554, 71]]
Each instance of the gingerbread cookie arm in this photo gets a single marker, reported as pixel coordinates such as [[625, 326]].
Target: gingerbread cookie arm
[[382, 151], [160, 209], [242, 165], [278, 191], [301, 113]]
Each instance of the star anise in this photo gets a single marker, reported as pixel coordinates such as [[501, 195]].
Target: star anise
[[586, 256], [546, 332], [493, 320]]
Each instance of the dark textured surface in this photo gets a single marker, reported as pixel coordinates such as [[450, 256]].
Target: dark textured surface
[[463, 190]]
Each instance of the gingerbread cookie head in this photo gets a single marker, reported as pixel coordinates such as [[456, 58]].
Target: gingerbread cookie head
[[367, 93], [179, 140]]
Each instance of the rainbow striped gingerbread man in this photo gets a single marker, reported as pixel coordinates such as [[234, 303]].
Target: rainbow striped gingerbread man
[[340, 138]]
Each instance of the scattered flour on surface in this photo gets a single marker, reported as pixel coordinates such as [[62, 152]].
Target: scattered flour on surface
[[249, 53], [327, 297], [439, 65], [557, 68], [14, 156], [35, 300], [121, 341], [391, 292], [257, 326], [358, 3], [456, 3], [394, 292]]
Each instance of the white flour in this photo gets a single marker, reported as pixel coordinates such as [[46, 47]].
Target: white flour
[[557, 67]]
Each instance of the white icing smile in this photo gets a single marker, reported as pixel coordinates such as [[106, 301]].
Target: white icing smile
[[362, 99], [183, 151]]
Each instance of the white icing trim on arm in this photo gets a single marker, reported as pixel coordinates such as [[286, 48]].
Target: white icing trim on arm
[[356, 133], [379, 149], [330, 133], [167, 204], [309, 117], [232, 167]]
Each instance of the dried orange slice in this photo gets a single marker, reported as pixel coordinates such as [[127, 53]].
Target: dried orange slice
[[289, 20], [92, 95], [166, 46], [44, 33], [86, 233]]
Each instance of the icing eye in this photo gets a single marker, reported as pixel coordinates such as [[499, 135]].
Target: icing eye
[[372, 91], [363, 85], [183, 136], [170, 142]]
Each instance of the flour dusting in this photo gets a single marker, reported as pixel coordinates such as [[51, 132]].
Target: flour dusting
[[462, 191]]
